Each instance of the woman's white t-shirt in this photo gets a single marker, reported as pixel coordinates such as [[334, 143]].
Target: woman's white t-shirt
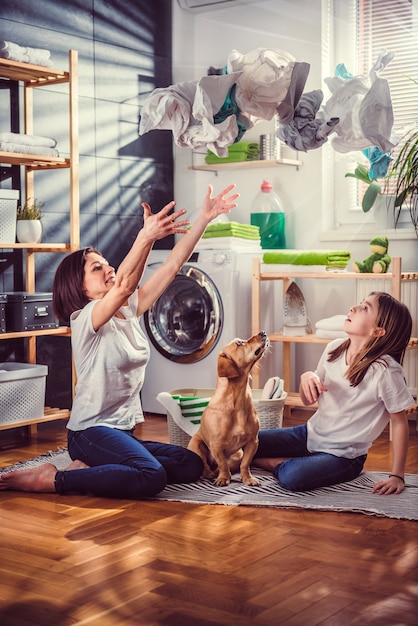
[[349, 419], [110, 367]]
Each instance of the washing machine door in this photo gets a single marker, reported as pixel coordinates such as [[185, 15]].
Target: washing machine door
[[186, 321]]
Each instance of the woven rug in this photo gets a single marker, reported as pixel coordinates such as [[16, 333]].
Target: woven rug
[[354, 496]]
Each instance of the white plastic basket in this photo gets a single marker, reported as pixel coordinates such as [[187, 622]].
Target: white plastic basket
[[8, 213], [22, 391], [270, 412]]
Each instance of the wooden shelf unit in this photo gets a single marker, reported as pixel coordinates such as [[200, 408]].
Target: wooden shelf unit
[[34, 76], [396, 276]]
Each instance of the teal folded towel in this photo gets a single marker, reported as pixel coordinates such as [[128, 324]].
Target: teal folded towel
[[238, 152], [337, 258]]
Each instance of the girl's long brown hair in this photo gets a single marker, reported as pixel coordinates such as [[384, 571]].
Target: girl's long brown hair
[[67, 291], [396, 319]]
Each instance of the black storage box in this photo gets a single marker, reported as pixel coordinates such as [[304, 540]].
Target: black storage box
[[29, 311], [3, 300]]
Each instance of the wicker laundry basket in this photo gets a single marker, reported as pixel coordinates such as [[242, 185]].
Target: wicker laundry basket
[[270, 412]]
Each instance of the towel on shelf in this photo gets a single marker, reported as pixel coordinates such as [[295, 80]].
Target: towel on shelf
[[330, 258], [6, 146], [331, 327], [28, 140], [24, 54], [238, 152], [232, 229], [252, 246]]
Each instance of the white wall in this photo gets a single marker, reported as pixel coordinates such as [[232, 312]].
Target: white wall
[[205, 39]]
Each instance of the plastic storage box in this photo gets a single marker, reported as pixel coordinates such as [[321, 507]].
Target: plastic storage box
[[29, 311], [22, 392], [8, 211]]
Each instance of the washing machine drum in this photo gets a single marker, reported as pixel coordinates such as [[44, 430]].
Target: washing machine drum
[[186, 321]]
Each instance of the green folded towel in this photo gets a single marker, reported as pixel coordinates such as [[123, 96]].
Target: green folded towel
[[232, 229], [333, 258], [238, 152]]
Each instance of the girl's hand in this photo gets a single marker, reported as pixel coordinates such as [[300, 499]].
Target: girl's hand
[[393, 484], [311, 387], [212, 207], [159, 225]]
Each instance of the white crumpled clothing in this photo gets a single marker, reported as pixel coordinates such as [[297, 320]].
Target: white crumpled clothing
[[364, 108], [188, 110], [262, 79]]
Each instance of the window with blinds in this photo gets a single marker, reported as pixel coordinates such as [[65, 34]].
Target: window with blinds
[[355, 32]]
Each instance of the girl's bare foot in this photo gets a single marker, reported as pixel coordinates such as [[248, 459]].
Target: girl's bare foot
[[39, 479], [77, 464]]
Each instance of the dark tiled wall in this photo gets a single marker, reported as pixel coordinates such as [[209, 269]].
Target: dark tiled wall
[[124, 49]]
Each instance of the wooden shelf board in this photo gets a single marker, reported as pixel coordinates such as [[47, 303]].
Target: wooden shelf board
[[39, 247], [61, 331], [241, 165], [31, 75], [33, 161], [50, 415]]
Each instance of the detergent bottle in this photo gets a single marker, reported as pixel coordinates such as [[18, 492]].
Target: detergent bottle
[[267, 213]]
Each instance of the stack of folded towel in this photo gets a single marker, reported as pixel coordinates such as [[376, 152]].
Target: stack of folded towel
[[28, 144], [332, 259], [238, 152], [24, 54], [331, 327], [231, 235]]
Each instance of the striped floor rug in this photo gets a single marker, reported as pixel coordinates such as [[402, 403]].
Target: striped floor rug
[[354, 496]]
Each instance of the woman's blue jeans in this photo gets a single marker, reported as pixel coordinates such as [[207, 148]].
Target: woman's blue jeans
[[122, 466], [304, 470]]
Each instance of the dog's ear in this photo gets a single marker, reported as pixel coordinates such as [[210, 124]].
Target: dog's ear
[[227, 367]]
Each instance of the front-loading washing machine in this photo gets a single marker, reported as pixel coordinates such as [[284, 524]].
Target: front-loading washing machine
[[206, 306]]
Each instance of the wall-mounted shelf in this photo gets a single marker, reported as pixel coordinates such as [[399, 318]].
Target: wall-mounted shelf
[[244, 165]]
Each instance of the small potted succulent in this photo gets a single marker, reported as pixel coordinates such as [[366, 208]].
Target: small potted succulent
[[29, 225]]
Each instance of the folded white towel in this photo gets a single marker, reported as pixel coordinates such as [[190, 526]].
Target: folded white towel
[[6, 146], [335, 322], [23, 54], [330, 334], [28, 140]]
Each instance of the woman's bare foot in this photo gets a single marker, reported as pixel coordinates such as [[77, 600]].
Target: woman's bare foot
[[77, 464], [39, 479]]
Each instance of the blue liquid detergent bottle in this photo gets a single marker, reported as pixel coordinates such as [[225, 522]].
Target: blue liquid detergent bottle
[[267, 213]]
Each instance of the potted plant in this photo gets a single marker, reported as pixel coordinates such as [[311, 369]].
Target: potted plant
[[29, 225], [403, 178]]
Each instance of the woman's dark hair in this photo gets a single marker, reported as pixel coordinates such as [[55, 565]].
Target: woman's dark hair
[[396, 319], [67, 292]]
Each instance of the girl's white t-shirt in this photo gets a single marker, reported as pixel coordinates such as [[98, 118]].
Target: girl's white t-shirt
[[349, 419], [110, 367]]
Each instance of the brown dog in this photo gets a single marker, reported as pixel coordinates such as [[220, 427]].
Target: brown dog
[[228, 432]]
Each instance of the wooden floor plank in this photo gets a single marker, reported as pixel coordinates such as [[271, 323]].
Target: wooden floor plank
[[79, 560]]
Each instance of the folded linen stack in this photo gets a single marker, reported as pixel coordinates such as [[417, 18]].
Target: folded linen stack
[[231, 236], [24, 54], [331, 327], [237, 152], [331, 259], [28, 144]]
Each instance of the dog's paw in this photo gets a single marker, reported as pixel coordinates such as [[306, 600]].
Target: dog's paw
[[221, 481], [251, 481]]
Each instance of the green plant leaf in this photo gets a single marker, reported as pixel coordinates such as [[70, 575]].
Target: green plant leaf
[[370, 196], [361, 173]]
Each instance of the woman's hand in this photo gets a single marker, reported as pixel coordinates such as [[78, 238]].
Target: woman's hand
[[159, 225], [310, 388], [393, 484], [212, 207]]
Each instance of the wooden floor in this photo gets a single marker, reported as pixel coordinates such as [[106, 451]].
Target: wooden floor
[[77, 560]]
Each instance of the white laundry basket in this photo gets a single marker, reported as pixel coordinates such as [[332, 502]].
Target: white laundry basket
[[181, 428]]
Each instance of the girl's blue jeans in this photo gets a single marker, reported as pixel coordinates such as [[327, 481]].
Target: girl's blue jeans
[[122, 466], [304, 470]]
